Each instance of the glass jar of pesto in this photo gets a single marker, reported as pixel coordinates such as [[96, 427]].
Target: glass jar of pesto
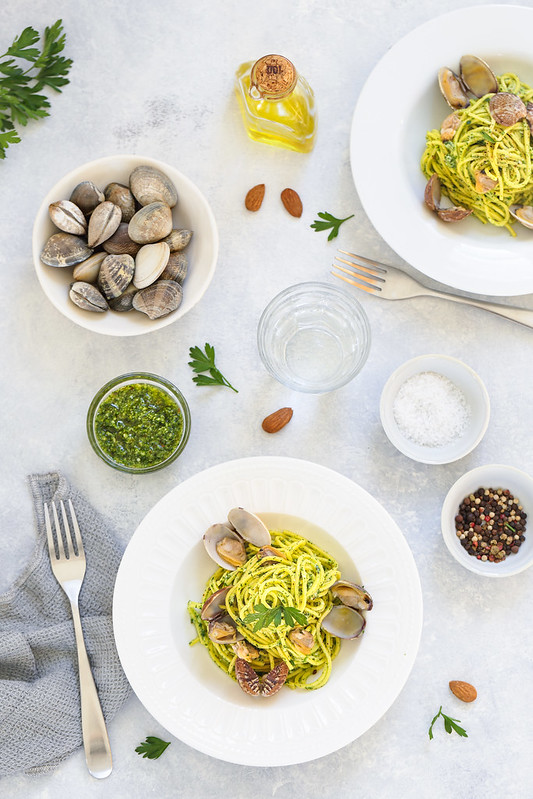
[[138, 422]]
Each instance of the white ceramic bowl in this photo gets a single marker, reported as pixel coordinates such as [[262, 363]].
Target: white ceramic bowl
[[495, 476], [192, 211], [464, 378]]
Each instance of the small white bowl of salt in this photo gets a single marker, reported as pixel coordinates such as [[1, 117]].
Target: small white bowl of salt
[[434, 409]]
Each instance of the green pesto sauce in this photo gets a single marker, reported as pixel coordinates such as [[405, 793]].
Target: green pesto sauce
[[138, 425]]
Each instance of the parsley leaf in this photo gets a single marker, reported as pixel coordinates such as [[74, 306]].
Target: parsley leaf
[[449, 725], [264, 617], [330, 221], [205, 362], [152, 748]]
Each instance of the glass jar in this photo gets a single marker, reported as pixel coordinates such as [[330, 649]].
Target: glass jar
[[277, 104]]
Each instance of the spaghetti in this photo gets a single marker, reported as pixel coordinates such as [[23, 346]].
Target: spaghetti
[[480, 145], [300, 578]]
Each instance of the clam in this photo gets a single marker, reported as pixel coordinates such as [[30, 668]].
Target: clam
[[65, 249], [524, 214], [484, 183], [124, 302], [151, 223], [343, 622], [214, 605], [88, 270], [270, 552], [450, 126], [150, 185], [150, 261], [120, 195], [352, 595], [178, 239], [68, 217], [302, 640], [250, 527], [87, 297], [245, 650], [176, 267], [251, 683], [477, 76], [116, 273], [452, 88], [223, 631], [454, 214], [529, 116], [120, 242], [507, 109], [225, 546], [159, 299], [104, 220], [432, 192], [87, 196]]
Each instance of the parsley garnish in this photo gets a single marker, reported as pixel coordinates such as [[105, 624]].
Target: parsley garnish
[[20, 100], [264, 617], [329, 222], [152, 748], [205, 362], [449, 725]]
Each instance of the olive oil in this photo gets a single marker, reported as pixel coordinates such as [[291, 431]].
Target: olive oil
[[277, 104]]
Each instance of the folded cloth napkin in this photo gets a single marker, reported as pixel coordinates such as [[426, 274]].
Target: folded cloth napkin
[[40, 722]]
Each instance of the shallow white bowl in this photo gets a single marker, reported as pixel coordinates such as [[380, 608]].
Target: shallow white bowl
[[464, 378], [192, 212], [493, 475]]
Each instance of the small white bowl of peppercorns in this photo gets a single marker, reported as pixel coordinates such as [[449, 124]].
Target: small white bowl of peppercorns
[[485, 520]]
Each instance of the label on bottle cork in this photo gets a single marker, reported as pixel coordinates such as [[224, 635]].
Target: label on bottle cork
[[273, 77]]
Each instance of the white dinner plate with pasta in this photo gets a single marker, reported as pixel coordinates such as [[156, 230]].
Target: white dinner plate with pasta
[[399, 103], [166, 565]]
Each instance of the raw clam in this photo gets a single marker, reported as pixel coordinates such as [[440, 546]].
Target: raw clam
[[124, 302], [178, 239], [524, 214], [88, 270], [151, 223], [225, 546], [120, 195], [477, 76], [159, 299], [507, 109], [120, 242], [87, 196], [150, 261], [116, 273], [352, 595], [250, 527], [150, 185], [104, 220], [176, 268], [251, 683], [343, 622], [68, 217], [223, 631], [87, 297], [65, 249], [452, 88], [214, 605]]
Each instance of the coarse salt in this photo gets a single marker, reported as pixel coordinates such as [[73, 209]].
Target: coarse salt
[[431, 410]]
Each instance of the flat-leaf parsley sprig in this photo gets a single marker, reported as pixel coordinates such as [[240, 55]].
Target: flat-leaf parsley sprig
[[20, 98], [264, 617], [449, 725], [205, 362], [329, 221], [152, 748]]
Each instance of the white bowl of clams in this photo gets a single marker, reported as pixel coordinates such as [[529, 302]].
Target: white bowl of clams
[[124, 245]]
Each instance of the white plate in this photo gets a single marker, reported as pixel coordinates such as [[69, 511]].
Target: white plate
[[165, 565], [399, 103]]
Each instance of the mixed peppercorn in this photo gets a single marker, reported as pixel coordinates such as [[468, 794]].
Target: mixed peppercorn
[[491, 524]]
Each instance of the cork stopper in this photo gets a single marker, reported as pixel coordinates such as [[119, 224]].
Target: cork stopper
[[272, 78]]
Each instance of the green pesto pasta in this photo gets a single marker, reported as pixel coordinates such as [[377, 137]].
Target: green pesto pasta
[[503, 154], [302, 580]]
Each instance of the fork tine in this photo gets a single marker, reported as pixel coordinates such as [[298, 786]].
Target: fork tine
[[367, 288], [59, 537], [358, 268], [49, 534], [68, 534], [79, 541], [376, 264], [368, 279]]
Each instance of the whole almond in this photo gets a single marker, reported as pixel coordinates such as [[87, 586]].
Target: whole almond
[[291, 201], [463, 690], [275, 421], [254, 198]]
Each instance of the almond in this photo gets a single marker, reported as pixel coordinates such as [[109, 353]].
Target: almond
[[291, 201], [275, 421], [463, 690], [254, 198]]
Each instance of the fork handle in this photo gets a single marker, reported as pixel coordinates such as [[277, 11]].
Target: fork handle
[[521, 315], [95, 738]]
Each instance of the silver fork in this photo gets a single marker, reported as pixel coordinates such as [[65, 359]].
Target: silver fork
[[392, 284], [68, 565]]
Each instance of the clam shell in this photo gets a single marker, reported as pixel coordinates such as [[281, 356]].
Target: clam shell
[[507, 109], [65, 249], [150, 185], [120, 195], [124, 303], [150, 261], [87, 297], [120, 242], [104, 220], [87, 196], [452, 88], [116, 273], [214, 606], [213, 536], [343, 622], [250, 527], [151, 223], [352, 595], [68, 217], [477, 76], [88, 269], [178, 239], [524, 214], [176, 268], [159, 299]]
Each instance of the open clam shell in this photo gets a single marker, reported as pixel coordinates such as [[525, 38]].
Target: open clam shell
[[452, 88], [352, 595], [222, 630], [344, 622], [250, 527], [477, 76], [225, 546], [523, 213], [214, 606]]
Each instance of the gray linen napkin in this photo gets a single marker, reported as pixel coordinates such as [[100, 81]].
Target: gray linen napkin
[[40, 721]]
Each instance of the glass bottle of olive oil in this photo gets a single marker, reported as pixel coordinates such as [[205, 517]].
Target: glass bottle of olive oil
[[277, 104]]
